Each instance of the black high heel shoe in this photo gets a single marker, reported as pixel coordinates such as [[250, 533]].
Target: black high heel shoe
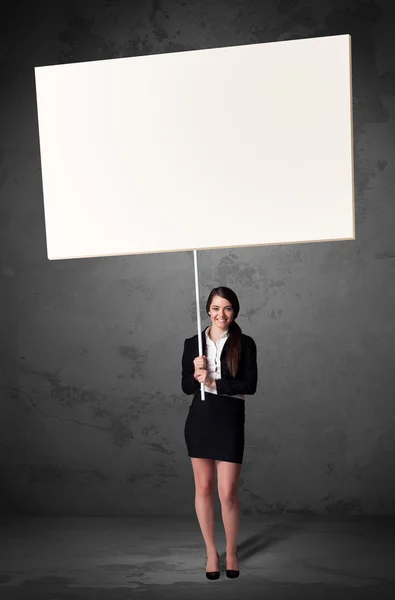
[[232, 573], [213, 574]]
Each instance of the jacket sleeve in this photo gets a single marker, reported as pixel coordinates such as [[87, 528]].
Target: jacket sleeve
[[246, 382], [188, 383]]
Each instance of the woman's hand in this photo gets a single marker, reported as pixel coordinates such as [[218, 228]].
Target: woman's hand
[[200, 362], [202, 377], [201, 373]]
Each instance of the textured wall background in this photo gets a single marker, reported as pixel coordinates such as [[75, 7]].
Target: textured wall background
[[92, 413]]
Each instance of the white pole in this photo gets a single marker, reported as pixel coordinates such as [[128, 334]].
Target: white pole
[[198, 317]]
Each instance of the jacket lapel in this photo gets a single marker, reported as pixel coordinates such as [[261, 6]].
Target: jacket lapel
[[204, 342]]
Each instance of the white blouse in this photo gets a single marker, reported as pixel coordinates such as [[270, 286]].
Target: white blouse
[[213, 355]]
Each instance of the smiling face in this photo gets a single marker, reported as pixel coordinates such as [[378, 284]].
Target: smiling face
[[221, 313]]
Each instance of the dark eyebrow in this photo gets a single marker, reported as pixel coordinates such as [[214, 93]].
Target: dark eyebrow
[[216, 306]]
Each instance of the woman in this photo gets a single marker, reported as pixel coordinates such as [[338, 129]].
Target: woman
[[214, 429]]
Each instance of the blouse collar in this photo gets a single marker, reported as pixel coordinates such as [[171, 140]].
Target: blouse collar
[[225, 334]]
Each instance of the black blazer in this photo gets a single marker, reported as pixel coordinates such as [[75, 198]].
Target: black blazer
[[247, 375]]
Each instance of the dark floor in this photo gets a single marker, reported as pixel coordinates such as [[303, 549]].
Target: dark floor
[[123, 557]]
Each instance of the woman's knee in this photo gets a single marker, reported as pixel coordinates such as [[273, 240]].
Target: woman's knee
[[228, 496], [204, 475], [204, 487]]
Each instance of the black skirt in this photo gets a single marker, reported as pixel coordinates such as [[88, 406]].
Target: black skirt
[[214, 428]]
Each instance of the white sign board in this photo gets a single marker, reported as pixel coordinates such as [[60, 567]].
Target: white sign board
[[227, 147]]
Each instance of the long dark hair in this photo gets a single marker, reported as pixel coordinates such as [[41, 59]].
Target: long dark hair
[[234, 340]]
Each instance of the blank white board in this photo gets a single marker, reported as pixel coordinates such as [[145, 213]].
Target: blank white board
[[227, 147]]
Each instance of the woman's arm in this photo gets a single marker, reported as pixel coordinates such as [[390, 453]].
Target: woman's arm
[[188, 382], [246, 382]]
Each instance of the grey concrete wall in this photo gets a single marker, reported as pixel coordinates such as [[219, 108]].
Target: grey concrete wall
[[92, 413]]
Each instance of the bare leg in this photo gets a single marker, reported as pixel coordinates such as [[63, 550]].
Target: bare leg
[[204, 474], [228, 482]]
